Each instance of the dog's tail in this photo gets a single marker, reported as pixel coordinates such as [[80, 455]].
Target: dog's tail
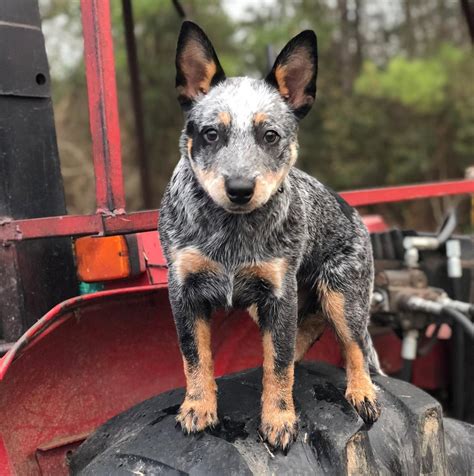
[[371, 355]]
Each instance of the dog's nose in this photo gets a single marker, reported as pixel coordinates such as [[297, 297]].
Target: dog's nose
[[239, 190]]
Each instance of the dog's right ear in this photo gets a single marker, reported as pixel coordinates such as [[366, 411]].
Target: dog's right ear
[[197, 65]]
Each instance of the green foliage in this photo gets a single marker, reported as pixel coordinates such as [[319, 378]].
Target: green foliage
[[417, 83]]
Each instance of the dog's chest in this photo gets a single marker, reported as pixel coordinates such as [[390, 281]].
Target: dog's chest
[[247, 284], [226, 283]]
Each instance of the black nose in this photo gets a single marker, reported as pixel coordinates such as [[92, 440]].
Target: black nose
[[239, 190]]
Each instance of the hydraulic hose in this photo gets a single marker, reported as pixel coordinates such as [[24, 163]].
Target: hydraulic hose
[[415, 303], [460, 318]]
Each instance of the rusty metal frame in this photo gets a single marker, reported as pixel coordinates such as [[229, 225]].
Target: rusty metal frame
[[103, 107]]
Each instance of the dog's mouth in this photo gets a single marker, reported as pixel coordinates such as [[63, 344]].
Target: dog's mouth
[[239, 209]]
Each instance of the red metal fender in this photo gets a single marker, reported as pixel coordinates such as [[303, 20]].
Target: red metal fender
[[93, 356]]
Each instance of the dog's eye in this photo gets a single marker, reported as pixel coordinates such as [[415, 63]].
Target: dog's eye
[[211, 135], [271, 137]]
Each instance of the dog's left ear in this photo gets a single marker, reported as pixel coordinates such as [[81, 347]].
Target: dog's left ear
[[197, 65], [294, 72]]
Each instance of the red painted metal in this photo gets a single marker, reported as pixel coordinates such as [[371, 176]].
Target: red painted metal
[[372, 196], [374, 223], [103, 106], [40, 328], [80, 225], [110, 351], [5, 468]]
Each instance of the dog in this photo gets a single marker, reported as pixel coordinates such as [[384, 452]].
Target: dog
[[241, 227]]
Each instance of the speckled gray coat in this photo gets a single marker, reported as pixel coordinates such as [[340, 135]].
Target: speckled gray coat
[[310, 248]]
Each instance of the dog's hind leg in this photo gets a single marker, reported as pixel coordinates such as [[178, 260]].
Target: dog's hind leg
[[360, 392], [310, 329]]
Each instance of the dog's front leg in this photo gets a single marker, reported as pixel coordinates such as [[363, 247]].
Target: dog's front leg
[[197, 285], [199, 409], [192, 311], [278, 321]]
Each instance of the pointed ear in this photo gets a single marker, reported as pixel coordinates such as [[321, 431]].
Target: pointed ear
[[294, 72], [197, 66]]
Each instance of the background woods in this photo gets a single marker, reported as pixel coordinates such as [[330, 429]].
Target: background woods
[[395, 101]]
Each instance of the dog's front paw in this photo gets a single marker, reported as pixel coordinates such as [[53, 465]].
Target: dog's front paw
[[364, 400], [196, 415], [280, 429]]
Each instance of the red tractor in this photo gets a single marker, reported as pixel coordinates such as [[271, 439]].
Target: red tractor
[[76, 355]]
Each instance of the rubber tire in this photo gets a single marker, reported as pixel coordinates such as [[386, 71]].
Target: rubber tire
[[411, 437]]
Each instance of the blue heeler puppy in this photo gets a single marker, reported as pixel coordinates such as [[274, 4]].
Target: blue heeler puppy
[[241, 227]]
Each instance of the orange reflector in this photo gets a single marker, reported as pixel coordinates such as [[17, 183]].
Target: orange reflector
[[102, 258]]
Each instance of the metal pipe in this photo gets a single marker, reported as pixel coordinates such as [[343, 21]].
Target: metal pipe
[[372, 196], [461, 306], [77, 225], [103, 107], [12, 230], [409, 353], [415, 303]]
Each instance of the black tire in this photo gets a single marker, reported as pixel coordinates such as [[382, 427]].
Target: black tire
[[410, 438]]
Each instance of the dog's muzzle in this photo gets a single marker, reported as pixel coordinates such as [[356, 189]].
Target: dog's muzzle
[[239, 190]]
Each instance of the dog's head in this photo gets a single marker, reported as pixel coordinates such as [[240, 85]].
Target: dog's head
[[240, 134]]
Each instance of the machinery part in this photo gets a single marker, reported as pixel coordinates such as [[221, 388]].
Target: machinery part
[[409, 352], [418, 304], [449, 225], [31, 185], [466, 325], [453, 254], [413, 244], [462, 326], [411, 437], [461, 306]]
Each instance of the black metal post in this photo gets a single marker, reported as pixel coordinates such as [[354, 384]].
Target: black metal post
[[34, 275]]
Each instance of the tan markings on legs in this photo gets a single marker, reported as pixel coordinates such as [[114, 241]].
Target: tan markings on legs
[[279, 422], [259, 117], [199, 409], [189, 260], [272, 271], [332, 303], [224, 118], [360, 390], [253, 312], [309, 331]]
